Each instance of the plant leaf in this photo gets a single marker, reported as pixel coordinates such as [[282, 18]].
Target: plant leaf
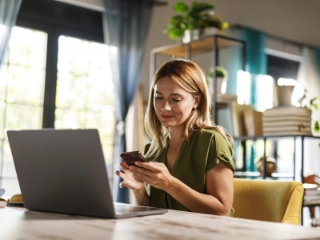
[[180, 7], [317, 127], [315, 106]]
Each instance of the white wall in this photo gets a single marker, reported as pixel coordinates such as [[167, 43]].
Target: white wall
[[296, 20]]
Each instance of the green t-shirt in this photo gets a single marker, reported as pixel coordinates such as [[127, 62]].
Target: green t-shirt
[[203, 150]]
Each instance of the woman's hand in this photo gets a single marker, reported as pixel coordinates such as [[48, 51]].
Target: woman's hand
[[154, 173], [129, 180]]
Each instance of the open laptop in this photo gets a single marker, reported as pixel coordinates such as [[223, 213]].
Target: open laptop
[[64, 171]]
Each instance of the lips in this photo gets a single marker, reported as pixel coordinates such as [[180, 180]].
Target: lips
[[166, 117]]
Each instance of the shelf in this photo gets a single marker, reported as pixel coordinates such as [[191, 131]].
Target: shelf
[[274, 137], [257, 174], [311, 203], [202, 45], [208, 44]]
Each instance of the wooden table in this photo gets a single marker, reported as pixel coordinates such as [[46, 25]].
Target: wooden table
[[19, 223]]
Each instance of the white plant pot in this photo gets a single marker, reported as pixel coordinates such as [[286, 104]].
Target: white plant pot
[[191, 35], [209, 31], [221, 85]]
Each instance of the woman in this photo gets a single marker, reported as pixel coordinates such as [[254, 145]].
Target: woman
[[190, 164]]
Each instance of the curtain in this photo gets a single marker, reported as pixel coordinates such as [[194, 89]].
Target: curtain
[[256, 58], [256, 63], [8, 14], [308, 74], [126, 26]]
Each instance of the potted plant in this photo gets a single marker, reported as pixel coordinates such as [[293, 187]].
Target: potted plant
[[191, 21], [221, 75], [310, 104], [214, 23]]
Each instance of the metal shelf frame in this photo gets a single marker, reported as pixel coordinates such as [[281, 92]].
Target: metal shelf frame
[[205, 44]]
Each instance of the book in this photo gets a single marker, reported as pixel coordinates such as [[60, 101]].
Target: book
[[287, 110], [287, 128], [254, 129], [15, 200], [312, 202], [226, 98], [286, 133], [309, 198], [237, 115], [253, 122], [252, 116], [283, 125], [286, 118], [289, 120]]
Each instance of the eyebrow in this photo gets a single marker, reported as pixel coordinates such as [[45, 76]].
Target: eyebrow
[[172, 94]]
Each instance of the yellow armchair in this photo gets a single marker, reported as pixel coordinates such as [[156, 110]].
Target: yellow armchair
[[268, 200]]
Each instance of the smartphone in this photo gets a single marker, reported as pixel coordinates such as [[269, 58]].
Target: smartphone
[[131, 157]]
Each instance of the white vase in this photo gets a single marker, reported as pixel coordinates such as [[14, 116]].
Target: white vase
[[191, 35], [284, 95]]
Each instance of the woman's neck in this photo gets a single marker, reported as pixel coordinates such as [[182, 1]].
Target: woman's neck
[[176, 135]]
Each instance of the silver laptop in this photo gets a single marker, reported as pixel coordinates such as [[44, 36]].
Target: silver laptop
[[64, 171]]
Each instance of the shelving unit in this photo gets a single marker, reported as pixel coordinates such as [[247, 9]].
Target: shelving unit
[[243, 173], [212, 43]]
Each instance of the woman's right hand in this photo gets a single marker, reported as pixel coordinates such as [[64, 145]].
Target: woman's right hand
[[129, 180]]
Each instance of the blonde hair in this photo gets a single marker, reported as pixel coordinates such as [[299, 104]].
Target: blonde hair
[[189, 76]]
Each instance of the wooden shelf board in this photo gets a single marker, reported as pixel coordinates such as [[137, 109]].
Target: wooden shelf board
[[196, 47], [257, 174]]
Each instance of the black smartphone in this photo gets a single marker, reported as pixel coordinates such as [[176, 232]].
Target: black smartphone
[[131, 157]]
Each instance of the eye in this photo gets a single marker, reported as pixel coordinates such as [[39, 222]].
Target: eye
[[176, 100], [158, 98]]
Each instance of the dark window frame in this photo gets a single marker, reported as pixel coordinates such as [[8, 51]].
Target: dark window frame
[[56, 19], [279, 67]]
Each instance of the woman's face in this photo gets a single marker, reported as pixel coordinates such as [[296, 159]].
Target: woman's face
[[172, 104]]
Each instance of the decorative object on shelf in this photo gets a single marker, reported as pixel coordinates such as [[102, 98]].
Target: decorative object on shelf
[[191, 35], [271, 165], [221, 75], [191, 22], [214, 24], [286, 120], [284, 94]]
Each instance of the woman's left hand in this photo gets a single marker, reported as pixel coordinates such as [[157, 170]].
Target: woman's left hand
[[154, 173]]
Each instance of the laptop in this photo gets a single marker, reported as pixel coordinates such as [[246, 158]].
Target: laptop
[[64, 171]]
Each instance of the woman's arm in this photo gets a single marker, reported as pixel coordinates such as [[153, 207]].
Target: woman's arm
[[219, 187]]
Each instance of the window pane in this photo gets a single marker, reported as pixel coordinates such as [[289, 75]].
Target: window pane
[[26, 48], [21, 94], [85, 91]]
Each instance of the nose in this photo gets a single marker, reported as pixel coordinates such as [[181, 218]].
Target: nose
[[166, 106]]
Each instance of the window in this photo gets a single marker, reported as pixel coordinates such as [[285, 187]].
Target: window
[[21, 93], [278, 67], [56, 74]]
